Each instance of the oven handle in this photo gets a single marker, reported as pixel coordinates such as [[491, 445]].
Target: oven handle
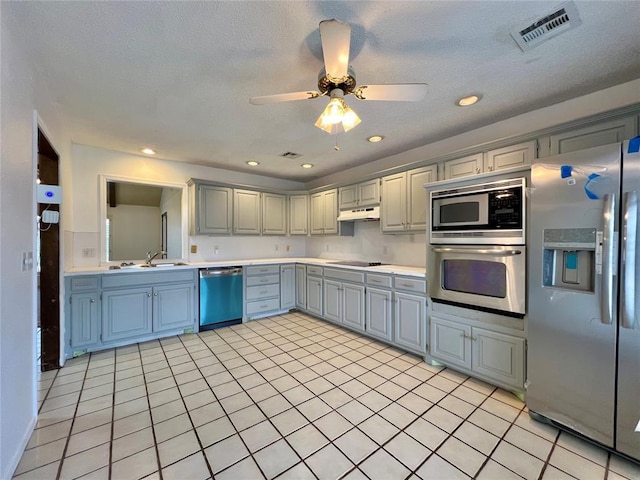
[[481, 251]]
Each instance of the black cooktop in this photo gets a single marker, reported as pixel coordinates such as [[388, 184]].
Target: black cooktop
[[356, 263]]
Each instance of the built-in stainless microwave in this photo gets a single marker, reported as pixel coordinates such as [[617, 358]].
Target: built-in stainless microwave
[[488, 214]]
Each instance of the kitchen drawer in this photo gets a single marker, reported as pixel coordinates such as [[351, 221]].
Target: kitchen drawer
[[346, 275], [313, 270], [383, 281], [259, 292], [263, 280], [83, 284], [263, 306], [263, 270], [410, 284]]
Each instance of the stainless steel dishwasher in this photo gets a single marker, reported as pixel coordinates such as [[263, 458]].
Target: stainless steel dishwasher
[[220, 297]]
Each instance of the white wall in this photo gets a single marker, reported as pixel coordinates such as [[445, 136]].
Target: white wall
[[244, 247], [170, 204], [135, 230], [90, 162], [17, 235], [369, 244]]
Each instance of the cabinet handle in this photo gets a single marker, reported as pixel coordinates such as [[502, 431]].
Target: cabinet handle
[[490, 168], [477, 170], [474, 338], [93, 300], [373, 280], [264, 306], [148, 294], [262, 292], [263, 280], [264, 269], [155, 294], [408, 285]]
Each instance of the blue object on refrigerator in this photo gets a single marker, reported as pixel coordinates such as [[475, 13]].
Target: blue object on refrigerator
[[220, 296]]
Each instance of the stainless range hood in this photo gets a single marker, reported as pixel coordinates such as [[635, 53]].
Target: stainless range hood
[[367, 213]]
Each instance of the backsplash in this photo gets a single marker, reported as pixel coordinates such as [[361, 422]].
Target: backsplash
[[218, 248], [369, 244]]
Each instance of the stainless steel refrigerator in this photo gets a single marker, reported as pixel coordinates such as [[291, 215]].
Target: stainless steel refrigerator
[[583, 360]]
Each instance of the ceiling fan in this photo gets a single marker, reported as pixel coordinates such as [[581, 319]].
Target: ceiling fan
[[338, 79]]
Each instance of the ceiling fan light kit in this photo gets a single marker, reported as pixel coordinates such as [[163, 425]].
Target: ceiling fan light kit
[[338, 79]]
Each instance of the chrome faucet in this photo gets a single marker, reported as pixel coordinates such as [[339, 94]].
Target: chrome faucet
[[150, 257]]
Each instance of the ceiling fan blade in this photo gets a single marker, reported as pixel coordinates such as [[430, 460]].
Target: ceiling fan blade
[[398, 92], [282, 97], [336, 42]]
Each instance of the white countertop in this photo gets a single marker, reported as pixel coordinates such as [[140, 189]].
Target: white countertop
[[325, 262]]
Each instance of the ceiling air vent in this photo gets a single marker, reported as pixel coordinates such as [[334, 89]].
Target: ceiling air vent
[[291, 155], [564, 18]]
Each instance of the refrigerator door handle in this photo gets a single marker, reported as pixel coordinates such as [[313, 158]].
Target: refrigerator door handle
[[630, 232], [606, 303]]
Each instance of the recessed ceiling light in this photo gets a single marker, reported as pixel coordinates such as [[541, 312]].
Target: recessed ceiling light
[[307, 165], [375, 138], [148, 151], [467, 101], [253, 163]]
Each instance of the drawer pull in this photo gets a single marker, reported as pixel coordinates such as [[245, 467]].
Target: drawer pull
[[93, 300], [264, 306], [374, 280], [262, 292], [264, 269]]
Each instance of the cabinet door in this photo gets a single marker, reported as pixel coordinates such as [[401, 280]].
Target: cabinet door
[[287, 286], [333, 298], [246, 212], [369, 193], [126, 313], [417, 200], [394, 198], [298, 214], [512, 156], [602, 134], [498, 356], [450, 342], [410, 322], [85, 322], [348, 197], [214, 209], [274, 214], [173, 307], [353, 296], [301, 286], [378, 313], [331, 211], [317, 214], [314, 295], [462, 167]]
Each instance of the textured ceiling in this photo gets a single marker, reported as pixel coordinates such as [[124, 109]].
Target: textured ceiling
[[177, 76]]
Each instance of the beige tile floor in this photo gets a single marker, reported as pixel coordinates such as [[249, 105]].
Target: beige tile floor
[[289, 397]]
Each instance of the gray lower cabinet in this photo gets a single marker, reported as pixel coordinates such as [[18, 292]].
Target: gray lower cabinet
[[301, 286], [262, 290], [410, 321], [85, 319], [378, 313], [332, 297], [493, 356], [287, 286], [119, 308], [353, 306], [126, 313], [314, 291], [173, 307]]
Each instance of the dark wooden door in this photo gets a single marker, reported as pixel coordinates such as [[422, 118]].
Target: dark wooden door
[[49, 275]]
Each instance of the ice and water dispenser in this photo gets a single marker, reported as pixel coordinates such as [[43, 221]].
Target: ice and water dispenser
[[572, 258]]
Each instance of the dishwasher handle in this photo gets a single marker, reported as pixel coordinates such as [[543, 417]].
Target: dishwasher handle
[[217, 272]]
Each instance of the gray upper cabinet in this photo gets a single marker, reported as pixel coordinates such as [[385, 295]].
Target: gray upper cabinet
[[512, 156], [462, 167], [324, 214], [604, 133], [404, 200], [298, 214], [274, 214], [212, 208], [362, 194], [247, 214]]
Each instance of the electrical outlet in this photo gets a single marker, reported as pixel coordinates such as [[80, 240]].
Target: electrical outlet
[[412, 238], [194, 248], [288, 247], [385, 250], [27, 261], [327, 246], [88, 252], [276, 247], [216, 250]]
